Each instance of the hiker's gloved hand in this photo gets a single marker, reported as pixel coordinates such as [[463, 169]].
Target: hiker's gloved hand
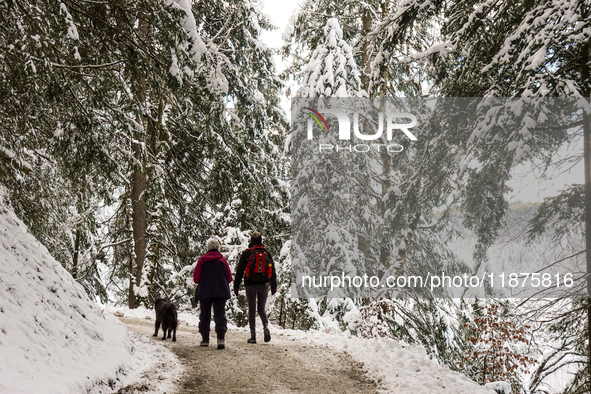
[[236, 292], [273, 291]]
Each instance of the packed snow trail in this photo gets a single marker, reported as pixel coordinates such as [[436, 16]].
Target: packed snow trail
[[284, 365]]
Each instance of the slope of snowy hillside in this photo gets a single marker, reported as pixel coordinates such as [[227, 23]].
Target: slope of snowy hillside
[[53, 339]]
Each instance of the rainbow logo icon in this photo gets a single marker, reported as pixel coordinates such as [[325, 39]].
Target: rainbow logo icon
[[315, 115]]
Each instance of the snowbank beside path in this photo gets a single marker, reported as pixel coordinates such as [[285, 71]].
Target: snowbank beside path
[[398, 368], [53, 339]]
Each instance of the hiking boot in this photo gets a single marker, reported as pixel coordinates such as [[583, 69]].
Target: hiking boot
[[253, 337], [267, 334], [204, 343], [221, 343]]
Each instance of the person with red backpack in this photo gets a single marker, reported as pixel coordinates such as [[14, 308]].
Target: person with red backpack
[[258, 269]]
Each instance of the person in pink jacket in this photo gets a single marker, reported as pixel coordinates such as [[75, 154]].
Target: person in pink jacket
[[212, 275]]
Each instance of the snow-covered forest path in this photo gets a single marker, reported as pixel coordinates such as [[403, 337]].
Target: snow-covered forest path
[[283, 365]]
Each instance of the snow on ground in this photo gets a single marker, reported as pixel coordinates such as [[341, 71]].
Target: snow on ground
[[397, 367], [53, 338]]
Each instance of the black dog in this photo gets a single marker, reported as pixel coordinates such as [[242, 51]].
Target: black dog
[[166, 314]]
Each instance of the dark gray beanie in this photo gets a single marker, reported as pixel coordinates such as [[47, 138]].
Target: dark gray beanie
[[256, 237]]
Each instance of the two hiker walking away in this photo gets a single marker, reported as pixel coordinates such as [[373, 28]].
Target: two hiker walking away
[[212, 275], [258, 269]]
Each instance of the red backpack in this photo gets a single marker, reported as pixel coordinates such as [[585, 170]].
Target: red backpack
[[259, 267]]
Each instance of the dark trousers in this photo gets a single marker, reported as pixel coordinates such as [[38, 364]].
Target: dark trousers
[[257, 297], [219, 316]]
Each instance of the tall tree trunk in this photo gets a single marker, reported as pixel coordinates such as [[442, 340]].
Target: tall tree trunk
[[281, 323], [363, 242], [153, 275], [139, 179], [365, 58], [585, 59], [385, 252], [132, 302], [138, 217]]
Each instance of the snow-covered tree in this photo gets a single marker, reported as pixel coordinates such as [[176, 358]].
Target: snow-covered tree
[[325, 224], [169, 110], [397, 231], [220, 165], [331, 70], [503, 49]]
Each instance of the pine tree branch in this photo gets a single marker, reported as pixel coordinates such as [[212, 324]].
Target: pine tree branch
[[105, 65], [14, 162]]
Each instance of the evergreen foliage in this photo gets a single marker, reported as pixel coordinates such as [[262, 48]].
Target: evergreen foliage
[[133, 131], [150, 126], [480, 48], [504, 49]]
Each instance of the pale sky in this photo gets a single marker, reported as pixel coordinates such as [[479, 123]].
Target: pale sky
[[279, 12]]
